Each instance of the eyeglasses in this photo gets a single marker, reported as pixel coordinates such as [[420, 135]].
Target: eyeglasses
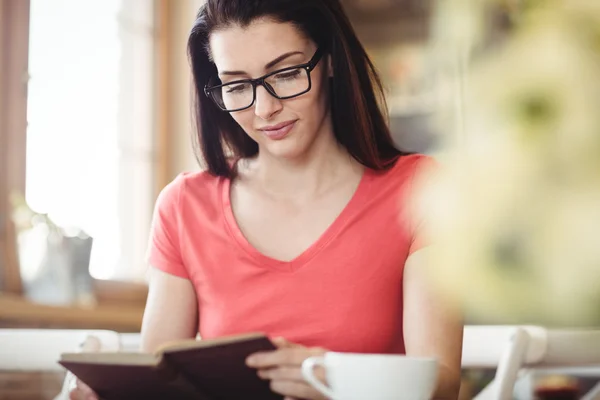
[[282, 84]]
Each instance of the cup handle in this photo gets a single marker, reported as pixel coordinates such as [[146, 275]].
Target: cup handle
[[307, 372]]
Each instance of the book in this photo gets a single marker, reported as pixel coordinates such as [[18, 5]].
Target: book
[[213, 369]]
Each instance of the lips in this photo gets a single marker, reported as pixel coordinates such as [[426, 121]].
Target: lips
[[279, 131]]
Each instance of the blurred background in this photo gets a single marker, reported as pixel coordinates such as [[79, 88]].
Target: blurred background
[[95, 121]]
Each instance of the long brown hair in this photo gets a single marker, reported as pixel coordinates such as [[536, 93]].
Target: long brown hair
[[358, 106]]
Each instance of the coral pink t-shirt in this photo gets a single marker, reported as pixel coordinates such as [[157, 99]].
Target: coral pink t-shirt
[[343, 293]]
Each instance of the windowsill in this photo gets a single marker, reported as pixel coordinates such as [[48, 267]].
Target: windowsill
[[16, 311]]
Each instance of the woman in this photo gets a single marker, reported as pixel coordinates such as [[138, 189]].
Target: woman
[[298, 227]]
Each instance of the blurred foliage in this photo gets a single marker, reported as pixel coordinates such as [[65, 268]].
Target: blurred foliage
[[514, 209]]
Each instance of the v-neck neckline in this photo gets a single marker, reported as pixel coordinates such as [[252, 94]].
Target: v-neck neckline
[[356, 201]]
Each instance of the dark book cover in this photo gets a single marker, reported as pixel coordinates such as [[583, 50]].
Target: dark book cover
[[202, 370]]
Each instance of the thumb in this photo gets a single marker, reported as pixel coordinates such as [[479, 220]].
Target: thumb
[[283, 343]]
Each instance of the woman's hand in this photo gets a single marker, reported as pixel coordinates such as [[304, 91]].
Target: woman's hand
[[82, 392], [283, 367]]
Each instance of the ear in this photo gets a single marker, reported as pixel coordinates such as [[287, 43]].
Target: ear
[[329, 66]]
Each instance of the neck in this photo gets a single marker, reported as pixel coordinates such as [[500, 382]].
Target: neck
[[309, 175]]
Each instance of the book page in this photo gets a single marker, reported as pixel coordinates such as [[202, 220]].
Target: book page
[[112, 358]]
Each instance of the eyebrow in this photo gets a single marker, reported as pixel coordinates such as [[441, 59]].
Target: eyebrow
[[270, 64]]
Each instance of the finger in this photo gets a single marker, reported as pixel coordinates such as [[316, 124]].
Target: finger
[[83, 387], [286, 356], [281, 343], [83, 391], [282, 373], [291, 374], [78, 394], [295, 390]]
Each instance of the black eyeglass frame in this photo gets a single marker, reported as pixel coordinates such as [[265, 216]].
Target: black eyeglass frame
[[309, 66]]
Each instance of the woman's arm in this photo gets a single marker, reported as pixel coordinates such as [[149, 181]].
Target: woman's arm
[[171, 310], [171, 314], [433, 327]]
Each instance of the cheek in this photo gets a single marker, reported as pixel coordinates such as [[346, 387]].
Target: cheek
[[244, 119], [319, 94], [312, 105]]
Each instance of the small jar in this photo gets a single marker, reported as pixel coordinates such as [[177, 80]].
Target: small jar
[[556, 388]]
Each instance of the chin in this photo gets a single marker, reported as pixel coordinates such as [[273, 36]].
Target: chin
[[287, 149]]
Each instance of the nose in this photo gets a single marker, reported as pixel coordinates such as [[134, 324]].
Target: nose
[[266, 106]]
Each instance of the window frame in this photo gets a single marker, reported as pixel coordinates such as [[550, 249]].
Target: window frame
[[14, 76], [14, 47]]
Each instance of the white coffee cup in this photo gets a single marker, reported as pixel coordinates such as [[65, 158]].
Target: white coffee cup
[[373, 376]]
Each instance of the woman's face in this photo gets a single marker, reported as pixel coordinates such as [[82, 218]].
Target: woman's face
[[283, 128]]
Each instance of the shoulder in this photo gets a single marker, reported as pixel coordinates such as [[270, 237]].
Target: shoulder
[[406, 168], [400, 186], [189, 185], [414, 163]]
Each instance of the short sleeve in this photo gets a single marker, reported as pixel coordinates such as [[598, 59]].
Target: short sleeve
[[424, 176], [164, 250]]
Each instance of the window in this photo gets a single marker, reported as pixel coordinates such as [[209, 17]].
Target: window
[[14, 18], [90, 156]]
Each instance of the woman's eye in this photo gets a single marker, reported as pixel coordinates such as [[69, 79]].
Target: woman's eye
[[236, 88], [288, 75]]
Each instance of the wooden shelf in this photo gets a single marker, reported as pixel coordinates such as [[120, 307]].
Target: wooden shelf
[[16, 311]]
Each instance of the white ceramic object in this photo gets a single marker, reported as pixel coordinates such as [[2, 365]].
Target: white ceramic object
[[373, 376]]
